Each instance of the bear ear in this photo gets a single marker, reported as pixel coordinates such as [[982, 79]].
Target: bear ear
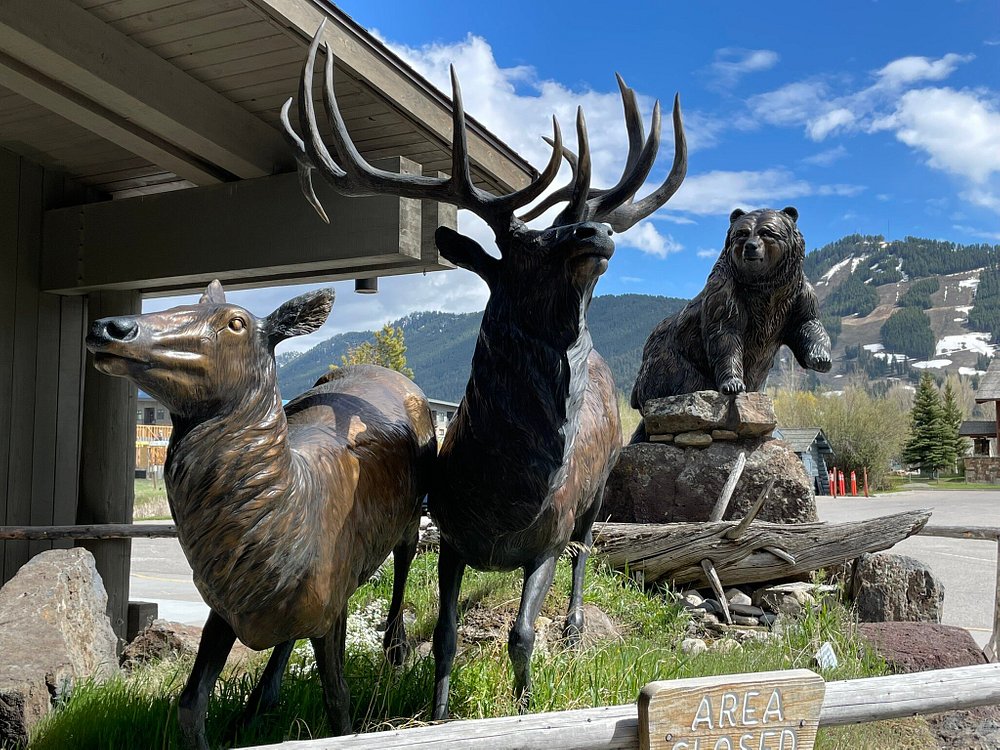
[[737, 213], [791, 212]]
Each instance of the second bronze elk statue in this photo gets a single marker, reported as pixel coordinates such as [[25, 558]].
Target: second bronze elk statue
[[282, 512], [522, 469]]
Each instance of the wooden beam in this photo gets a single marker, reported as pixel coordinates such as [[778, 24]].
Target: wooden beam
[[73, 63], [248, 233], [369, 61]]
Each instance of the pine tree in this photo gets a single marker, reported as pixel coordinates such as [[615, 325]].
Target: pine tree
[[930, 445], [388, 349], [953, 416]]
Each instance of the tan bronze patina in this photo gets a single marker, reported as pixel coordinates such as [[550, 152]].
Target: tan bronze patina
[[282, 512], [522, 469]]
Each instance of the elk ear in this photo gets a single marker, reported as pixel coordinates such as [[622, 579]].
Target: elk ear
[[297, 317], [466, 252], [737, 213], [213, 295], [791, 212]]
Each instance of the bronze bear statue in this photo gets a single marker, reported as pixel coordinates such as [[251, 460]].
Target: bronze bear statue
[[755, 299]]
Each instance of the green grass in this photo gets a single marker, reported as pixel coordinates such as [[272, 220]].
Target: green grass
[[150, 501], [139, 711]]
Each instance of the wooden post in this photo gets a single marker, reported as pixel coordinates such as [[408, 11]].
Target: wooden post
[[992, 649], [107, 461]]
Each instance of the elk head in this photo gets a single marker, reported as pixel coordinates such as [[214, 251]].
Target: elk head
[[542, 268], [197, 359]]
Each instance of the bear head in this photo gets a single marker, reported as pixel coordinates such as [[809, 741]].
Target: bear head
[[764, 244]]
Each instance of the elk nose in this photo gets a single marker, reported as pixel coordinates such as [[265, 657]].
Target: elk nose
[[591, 229], [114, 329]]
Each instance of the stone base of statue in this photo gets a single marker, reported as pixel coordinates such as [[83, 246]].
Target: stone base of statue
[[694, 441]]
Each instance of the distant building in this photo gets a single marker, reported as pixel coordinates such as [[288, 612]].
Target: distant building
[[442, 412], [151, 411], [812, 447], [983, 433], [985, 466]]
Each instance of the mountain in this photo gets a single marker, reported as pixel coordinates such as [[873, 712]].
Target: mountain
[[439, 345], [898, 307]]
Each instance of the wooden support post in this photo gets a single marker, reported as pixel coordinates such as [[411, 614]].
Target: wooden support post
[[713, 578], [737, 531], [728, 488], [107, 462], [992, 649]]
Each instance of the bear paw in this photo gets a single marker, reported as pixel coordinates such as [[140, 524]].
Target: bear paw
[[819, 359], [732, 386]]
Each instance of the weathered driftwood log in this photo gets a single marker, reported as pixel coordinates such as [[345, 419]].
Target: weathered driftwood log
[[761, 552]]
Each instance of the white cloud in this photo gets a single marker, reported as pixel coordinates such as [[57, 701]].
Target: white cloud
[[708, 253], [732, 64], [630, 279], [828, 122], [814, 104], [991, 236], [913, 69], [827, 157], [959, 131], [645, 237], [720, 192]]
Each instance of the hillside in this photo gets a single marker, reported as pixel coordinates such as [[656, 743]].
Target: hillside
[[440, 345], [907, 305]]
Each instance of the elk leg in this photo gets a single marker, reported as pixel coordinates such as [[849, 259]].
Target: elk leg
[[451, 568], [217, 640], [265, 694], [585, 536], [394, 642], [520, 644], [330, 661]]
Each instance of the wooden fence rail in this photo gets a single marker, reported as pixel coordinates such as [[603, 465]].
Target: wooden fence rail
[[617, 727]]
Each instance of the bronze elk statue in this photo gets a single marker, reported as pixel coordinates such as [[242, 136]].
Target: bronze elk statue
[[522, 469], [282, 512]]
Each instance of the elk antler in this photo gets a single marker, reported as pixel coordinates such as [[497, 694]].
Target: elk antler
[[614, 206], [357, 177]]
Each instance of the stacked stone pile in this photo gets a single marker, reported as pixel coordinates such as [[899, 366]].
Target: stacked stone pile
[[694, 441]]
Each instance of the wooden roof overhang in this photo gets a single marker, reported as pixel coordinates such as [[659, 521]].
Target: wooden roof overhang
[[989, 384], [170, 108]]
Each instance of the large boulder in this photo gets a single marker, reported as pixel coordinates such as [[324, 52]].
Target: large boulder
[[54, 631], [890, 587], [747, 414], [667, 483]]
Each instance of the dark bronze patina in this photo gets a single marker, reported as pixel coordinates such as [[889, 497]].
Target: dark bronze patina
[[756, 299], [282, 512], [522, 469]]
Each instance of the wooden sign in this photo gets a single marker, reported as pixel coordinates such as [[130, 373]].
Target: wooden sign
[[757, 711]]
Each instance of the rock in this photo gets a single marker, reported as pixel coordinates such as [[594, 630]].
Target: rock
[[725, 645], [735, 596], [744, 620], [789, 598], [54, 630], [754, 414], [598, 627], [889, 587], [745, 610], [768, 619], [664, 482], [710, 619], [693, 439], [692, 598], [661, 438], [702, 410], [724, 435], [693, 646], [920, 646], [711, 606], [825, 657]]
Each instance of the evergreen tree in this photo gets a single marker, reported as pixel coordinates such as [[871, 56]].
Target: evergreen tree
[[953, 417], [930, 445], [387, 349]]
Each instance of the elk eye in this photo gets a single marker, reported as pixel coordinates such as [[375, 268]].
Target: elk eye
[[237, 325]]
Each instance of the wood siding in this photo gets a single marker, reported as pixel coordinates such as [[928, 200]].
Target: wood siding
[[41, 366]]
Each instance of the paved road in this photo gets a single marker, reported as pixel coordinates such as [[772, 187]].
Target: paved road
[[967, 568]]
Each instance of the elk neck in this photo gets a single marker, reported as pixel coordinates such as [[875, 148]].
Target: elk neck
[[527, 385], [234, 483]]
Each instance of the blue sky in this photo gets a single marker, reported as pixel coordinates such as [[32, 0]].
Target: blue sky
[[872, 117]]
